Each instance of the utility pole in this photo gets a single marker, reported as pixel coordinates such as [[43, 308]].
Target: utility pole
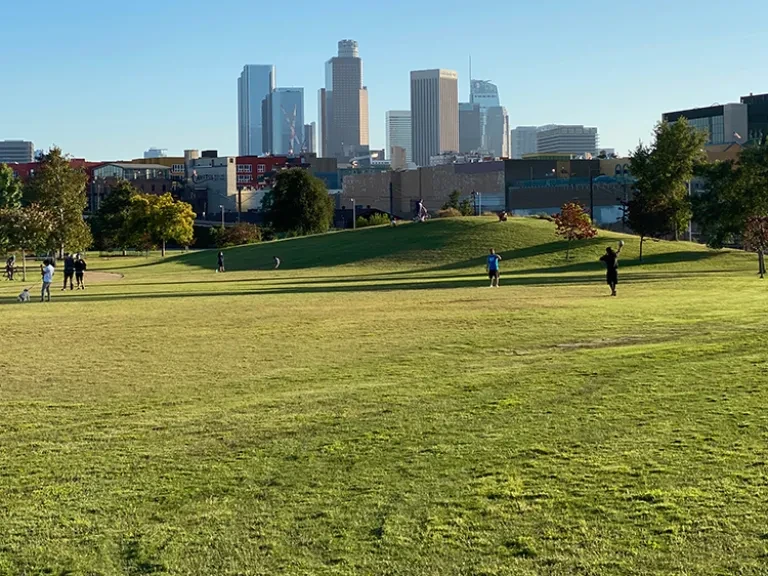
[[354, 219], [221, 207]]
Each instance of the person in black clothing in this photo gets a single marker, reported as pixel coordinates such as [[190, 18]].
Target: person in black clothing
[[221, 262], [69, 271], [611, 259], [80, 267]]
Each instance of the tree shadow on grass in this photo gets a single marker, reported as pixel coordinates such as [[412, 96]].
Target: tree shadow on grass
[[413, 284]]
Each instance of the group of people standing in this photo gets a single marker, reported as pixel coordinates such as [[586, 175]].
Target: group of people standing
[[74, 268]]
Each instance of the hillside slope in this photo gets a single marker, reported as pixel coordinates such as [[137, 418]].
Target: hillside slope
[[452, 244]]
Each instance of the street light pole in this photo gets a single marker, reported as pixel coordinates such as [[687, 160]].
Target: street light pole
[[354, 218], [221, 207], [591, 196]]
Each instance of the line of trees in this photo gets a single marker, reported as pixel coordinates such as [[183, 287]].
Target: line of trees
[[46, 213], [129, 219], [732, 209]]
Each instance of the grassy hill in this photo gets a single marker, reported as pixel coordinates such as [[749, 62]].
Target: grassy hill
[[374, 408], [447, 245]]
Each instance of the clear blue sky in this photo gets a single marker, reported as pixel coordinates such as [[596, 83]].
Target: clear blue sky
[[107, 80]]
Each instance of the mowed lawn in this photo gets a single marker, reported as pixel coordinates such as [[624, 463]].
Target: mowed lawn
[[374, 408]]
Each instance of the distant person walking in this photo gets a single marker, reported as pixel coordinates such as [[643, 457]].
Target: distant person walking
[[277, 262], [47, 270], [10, 265], [493, 268], [611, 259], [220, 267], [69, 271], [80, 267]]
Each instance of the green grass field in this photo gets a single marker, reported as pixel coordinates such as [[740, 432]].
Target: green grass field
[[374, 408]]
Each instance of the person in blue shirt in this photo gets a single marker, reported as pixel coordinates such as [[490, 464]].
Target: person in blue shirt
[[493, 268]]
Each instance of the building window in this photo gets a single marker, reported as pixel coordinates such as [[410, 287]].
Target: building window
[[244, 168], [244, 178], [261, 168], [179, 168]]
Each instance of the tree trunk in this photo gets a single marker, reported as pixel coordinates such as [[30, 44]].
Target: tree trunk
[[761, 262], [642, 239], [163, 249], [24, 265]]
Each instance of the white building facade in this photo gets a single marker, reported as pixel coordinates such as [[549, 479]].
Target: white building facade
[[398, 125]]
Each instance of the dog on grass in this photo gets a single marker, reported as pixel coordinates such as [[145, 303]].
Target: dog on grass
[[24, 296]]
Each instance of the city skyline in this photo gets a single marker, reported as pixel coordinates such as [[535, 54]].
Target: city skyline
[[621, 79]]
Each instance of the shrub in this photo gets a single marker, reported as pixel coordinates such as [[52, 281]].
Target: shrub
[[453, 201], [466, 208], [377, 219], [448, 213], [238, 235]]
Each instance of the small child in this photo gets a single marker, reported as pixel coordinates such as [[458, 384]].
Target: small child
[[24, 296]]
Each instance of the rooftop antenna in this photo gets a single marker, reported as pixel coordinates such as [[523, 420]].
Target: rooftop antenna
[[470, 77]]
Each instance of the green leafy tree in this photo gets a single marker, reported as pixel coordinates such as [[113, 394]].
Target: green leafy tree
[[158, 219], [573, 223], [26, 229], [662, 172], [111, 224], [10, 188], [299, 203], [648, 216], [60, 189], [734, 193]]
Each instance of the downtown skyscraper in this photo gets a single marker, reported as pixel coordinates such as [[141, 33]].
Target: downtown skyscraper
[[434, 113], [493, 117], [398, 124], [343, 132], [253, 86]]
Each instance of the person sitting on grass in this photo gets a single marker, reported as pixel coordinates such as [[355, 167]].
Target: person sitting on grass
[[611, 260], [493, 268]]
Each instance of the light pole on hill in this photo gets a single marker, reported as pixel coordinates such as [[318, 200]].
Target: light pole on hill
[[354, 219], [221, 207]]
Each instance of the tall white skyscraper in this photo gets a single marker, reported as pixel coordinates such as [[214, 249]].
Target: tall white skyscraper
[[343, 105], [523, 141], [399, 133], [253, 86], [434, 113]]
